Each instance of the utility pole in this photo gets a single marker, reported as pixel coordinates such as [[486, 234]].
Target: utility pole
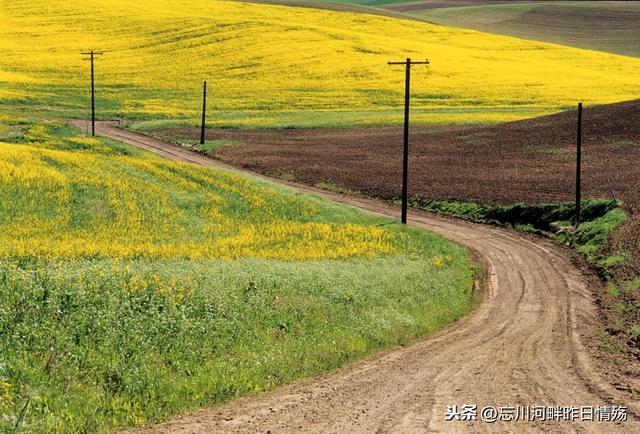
[[578, 165], [405, 154], [92, 55], [204, 112]]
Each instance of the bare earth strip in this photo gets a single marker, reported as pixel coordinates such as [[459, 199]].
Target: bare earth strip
[[523, 345]]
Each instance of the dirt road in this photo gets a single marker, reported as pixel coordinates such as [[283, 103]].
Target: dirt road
[[524, 345]]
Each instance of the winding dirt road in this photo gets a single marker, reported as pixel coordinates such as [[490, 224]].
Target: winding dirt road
[[523, 345]]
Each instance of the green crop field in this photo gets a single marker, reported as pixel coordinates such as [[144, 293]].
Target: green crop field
[[132, 288]]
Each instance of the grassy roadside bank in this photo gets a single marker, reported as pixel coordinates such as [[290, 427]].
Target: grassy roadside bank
[[133, 288], [94, 345], [554, 220]]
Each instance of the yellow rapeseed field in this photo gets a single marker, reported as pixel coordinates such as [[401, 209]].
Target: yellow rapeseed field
[[71, 197], [268, 65]]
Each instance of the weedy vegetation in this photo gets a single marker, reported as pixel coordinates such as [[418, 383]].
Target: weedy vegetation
[[600, 218], [133, 288]]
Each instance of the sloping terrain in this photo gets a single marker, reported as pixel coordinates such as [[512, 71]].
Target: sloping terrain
[[526, 345], [611, 26], [272, 65], [133, 287], [531, 161]]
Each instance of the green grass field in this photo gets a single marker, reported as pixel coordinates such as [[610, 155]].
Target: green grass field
[[605, 26], [107, 320]]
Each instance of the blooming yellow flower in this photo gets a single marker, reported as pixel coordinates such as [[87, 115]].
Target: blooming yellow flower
[[437, 262], [273, 65], [65, 201]]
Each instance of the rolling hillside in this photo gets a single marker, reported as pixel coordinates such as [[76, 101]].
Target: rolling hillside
[[132, 287], [281, 66], [481, 172]]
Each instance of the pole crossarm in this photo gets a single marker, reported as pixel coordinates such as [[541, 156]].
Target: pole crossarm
[[410, 62], [93, 54]]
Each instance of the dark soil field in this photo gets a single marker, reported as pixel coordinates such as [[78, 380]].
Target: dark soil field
[[606, 26]]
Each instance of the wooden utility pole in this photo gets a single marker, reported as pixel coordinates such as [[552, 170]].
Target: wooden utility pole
[[405, 154], [92, 55], [204, 113], [578, 165]]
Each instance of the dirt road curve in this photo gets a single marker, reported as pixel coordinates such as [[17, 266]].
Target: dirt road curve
[[521, 346]]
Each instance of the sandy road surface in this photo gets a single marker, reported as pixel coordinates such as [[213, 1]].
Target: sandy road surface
[[521, 346]]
